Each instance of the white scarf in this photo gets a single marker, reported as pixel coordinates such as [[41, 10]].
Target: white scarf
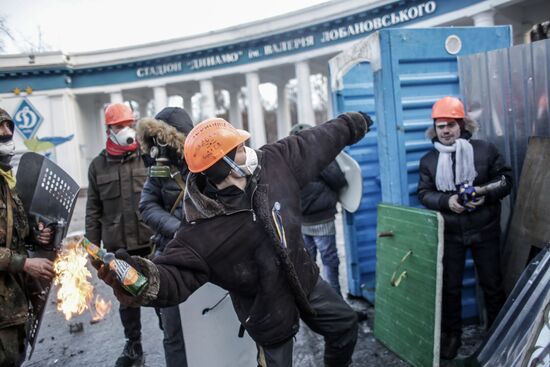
[[464, 165]]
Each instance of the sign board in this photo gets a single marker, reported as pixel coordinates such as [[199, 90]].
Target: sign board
[[27, 119]]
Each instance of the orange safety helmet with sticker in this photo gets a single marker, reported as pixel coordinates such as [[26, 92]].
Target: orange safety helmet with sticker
[[117, 113], [448, 107], [209, 142]]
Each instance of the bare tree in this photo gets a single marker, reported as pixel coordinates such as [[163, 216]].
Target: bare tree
[[4, 33]]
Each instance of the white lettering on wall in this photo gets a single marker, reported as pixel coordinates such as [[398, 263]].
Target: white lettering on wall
[[159, 70], [376, 23], [215, 60]]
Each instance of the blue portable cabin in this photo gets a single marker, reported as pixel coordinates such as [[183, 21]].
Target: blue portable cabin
[[396, 75]]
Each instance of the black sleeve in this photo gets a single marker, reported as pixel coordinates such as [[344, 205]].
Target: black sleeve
[[427, 192], [334, 177], [153, 212], [310, 151], [182, 271], [497, 169]]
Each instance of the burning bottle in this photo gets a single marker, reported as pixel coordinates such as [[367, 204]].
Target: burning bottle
[[131, 280]]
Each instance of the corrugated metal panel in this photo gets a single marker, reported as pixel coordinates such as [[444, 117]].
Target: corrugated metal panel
[[507, 92], [412, 69], [360, 227]]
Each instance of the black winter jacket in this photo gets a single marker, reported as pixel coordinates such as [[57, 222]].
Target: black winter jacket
[[157, 198], [240, 250], [482, 224], [319, 197], [159, 194]]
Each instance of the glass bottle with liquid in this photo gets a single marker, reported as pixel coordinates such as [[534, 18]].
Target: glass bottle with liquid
[[131, 280]]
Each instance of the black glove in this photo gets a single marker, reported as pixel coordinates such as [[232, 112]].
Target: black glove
[[109, 277], [123, 255], [367, 118]]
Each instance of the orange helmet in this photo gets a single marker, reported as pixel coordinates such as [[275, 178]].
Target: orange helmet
[[449, 107], [117, 113], [209, 142]]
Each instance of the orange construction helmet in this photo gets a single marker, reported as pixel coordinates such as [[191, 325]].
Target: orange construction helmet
[[449, 107], [117, 113], [209, 142]]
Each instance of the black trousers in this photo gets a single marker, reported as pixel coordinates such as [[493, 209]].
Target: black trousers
[[335, 320], [486, 256], [131, 321]]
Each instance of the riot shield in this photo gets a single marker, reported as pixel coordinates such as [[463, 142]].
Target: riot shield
[[350, 196], [49, 196]]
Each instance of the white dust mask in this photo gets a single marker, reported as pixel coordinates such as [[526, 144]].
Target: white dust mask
[[251, 162], [124, 137]]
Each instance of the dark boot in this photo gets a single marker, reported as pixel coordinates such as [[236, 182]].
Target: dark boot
[[132, 355], [449, 346], [361, 315]]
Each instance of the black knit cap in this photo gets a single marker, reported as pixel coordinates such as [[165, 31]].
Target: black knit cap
[[176, 117]]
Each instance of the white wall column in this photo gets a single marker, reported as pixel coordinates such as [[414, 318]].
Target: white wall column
[[143, 107], [116, 97], [187, 106], [160, 98], [207, 99], [256, 125], [283, 112], [305, 107], [235, 116], [485, 19], [64, 111]]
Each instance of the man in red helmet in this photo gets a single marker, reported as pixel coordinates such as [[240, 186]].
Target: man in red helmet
[[242, 232], [455, 160], [115, 181]]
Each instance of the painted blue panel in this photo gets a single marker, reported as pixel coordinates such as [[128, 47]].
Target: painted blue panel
[[415, 70], [360, 227]]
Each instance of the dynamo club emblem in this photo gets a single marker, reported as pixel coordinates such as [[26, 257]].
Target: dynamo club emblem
[[27, 119]]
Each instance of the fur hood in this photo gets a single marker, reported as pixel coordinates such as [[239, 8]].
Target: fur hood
[[469, 125], [148, 127]]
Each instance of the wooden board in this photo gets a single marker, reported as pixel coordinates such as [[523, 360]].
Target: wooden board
[[530, 224], [408, 310]]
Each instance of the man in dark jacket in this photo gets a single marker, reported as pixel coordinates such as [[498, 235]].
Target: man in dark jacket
[[456, 159], [18, 272], [161, 140], [318, 200], [243, 233], [115, 181]]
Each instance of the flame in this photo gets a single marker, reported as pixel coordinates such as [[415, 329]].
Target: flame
[[73, 278], [75, 291], [102, 308]]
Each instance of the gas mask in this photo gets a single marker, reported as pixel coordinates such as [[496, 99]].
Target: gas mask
[[124, 137], [162, 157], [7, 149]]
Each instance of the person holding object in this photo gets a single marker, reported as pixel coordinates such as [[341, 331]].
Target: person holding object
[[458, 161], [242, 232], [18, 272], [115, 181], [161, 204]]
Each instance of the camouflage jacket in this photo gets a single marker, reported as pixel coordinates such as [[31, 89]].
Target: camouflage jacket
[[14, 305]]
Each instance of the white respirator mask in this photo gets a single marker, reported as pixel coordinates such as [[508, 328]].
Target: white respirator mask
[[124, 137], [251, 162]]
